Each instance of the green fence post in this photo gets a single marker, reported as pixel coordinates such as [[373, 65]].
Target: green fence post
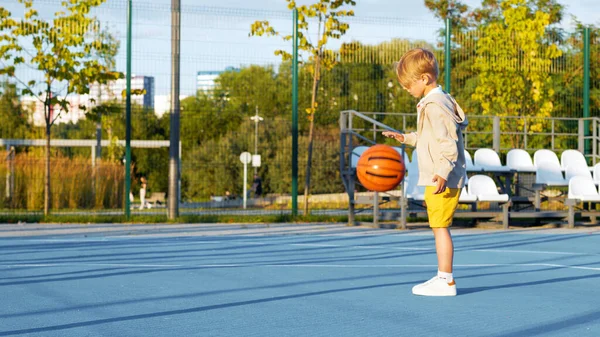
[[128, 115], [447, 61], [295, 116], [586, 86]]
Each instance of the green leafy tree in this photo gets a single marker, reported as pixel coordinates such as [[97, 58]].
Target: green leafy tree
[[63, 50], [14, 120], [453, 9], [327, 14], [514, 75], [106, 57], [464, 25]]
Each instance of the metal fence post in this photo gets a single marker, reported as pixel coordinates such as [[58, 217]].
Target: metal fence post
[[594, 140], [295, 115], [376, 209], [448, 57], [346, 177], [525, 134], [128, 114], [496, 134], [586, 85], [174, 158], [581, 135], [552, 144]]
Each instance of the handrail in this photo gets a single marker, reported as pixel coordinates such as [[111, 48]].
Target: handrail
[[558, 131]]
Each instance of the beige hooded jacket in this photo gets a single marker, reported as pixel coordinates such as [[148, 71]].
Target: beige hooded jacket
[[439, 140]]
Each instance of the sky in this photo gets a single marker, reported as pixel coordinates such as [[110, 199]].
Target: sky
[[214, 34], [588, 11]]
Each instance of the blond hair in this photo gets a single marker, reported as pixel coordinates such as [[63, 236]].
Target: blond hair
[[413, 64]]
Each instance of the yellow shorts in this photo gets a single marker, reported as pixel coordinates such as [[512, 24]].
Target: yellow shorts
[[441, 207]]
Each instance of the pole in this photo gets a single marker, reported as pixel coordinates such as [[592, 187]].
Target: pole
[[586, 87], [447, 58], [245, 183], [173, 209], [256, 119], [128, 116], [295, 116]]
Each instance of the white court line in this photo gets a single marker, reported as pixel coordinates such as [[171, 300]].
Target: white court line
[[122, 265], [66, 240], [401, 248], [233, 242], [347, 266], [524, 251], [360, 247]]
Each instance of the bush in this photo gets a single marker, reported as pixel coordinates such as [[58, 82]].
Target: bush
[[75, 184]]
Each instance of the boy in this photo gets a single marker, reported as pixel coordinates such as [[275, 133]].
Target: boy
[[441, 158]]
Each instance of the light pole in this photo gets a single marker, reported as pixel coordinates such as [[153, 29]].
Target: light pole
[[256, 118]]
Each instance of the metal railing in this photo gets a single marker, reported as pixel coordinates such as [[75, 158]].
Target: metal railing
[[560, 133]]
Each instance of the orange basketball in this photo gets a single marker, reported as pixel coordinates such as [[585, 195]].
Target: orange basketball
[[380, 168]]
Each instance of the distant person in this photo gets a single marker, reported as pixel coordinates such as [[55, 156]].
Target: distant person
[[143, 203], [257, 186], [227, 195], [440, 152]]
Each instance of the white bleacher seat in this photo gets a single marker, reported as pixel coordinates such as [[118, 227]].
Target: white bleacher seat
[[544, 155], [485, 189], [356, 153], [519, 160], [414, 161], [415, 192], [596, 174], [411, 190], [489, 160], [465, 196], [583, 189], [549, 173], [572, 157], [469, 161], [577, 170], [406, 158]]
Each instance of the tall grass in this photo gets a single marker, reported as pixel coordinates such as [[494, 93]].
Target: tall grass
[[75, 184]]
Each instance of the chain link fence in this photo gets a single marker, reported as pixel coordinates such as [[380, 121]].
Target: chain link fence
[[236, 97]]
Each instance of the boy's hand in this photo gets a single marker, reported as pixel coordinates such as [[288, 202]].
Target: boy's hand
[[397, 136], [440, 184]]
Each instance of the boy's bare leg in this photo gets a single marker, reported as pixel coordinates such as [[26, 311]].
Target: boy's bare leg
[[444, 249]]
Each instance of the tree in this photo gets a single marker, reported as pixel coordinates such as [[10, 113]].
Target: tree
[[106, 57], [14, 120], [453, 9], [63, 50], [327, 14], [514, 75]]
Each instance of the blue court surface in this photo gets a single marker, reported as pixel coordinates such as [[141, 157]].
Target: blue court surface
[[293, 280]]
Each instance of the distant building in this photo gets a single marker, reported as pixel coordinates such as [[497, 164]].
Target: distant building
[[35, 108], [205, 80], [98, 94], [115, 90]]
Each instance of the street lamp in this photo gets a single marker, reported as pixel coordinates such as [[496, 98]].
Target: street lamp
[[256, 118]]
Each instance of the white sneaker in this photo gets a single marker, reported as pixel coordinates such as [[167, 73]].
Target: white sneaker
[[436, 286]]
